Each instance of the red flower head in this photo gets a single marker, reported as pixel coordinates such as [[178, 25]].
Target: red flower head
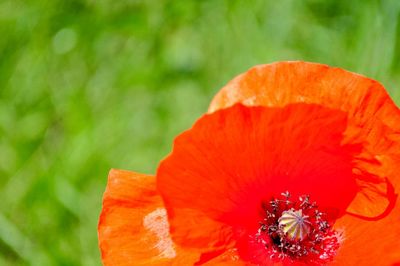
[[294, 164]]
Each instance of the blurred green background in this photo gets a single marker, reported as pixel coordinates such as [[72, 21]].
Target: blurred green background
[[93, 84]]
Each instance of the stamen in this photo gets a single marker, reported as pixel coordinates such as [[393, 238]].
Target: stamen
[[297, 231]]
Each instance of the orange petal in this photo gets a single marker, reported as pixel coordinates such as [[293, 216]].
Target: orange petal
[[231, 161], [373, 118], [369, 243], [133, 227], [282, 83], [229, 258], [193, 229], [372, 242]]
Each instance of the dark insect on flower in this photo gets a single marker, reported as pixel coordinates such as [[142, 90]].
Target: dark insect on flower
[[294, 164]]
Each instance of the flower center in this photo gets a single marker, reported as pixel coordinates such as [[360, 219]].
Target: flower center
[[294, 224], [295, 230]]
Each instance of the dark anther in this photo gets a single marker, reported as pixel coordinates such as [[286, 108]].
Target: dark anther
[[286, 194], [296, 230]]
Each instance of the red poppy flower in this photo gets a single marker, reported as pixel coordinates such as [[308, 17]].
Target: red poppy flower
[[295, 163]]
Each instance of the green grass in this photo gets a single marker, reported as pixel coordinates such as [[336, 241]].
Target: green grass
[[89, 85]]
